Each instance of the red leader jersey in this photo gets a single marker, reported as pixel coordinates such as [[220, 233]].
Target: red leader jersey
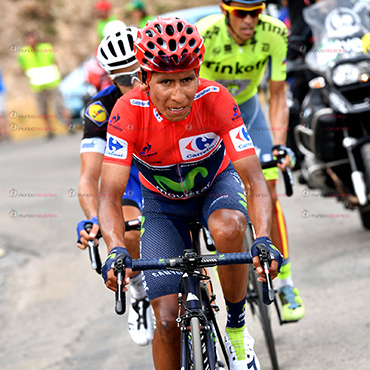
[[178, 159]]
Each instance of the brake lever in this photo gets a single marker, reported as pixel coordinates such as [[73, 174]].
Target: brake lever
[[287, 173], [93, 250], [120, 271], [265, 258]]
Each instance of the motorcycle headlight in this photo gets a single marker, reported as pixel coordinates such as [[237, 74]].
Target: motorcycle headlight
[[346, 74]]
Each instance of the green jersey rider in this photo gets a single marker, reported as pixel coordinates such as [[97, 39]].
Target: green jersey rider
[[240, 43]]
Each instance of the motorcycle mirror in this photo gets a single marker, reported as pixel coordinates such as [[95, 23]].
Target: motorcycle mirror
[[317, 83]]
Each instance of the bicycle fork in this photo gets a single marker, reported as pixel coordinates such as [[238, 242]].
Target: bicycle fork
[[196, 353]]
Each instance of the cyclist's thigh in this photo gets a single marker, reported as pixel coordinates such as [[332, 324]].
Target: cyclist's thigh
[[225, 193], [259, 131], [165, 233], [133, 195]]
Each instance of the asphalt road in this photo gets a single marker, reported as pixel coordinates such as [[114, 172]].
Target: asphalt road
[[56, 314]]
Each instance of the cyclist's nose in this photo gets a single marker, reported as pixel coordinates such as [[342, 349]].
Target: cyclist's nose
[[177, 93]]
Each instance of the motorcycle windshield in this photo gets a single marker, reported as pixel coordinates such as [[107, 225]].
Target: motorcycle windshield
[[341, 30]]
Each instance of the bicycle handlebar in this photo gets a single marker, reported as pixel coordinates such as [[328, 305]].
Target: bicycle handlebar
[[190, 262]]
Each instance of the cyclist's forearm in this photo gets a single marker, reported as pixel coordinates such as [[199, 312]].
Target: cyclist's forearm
[[88, 197], [258, 198], [260, 208], [279, 118], [111, 221]]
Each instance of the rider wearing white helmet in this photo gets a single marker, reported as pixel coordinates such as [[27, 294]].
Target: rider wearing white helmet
[[116, 56]]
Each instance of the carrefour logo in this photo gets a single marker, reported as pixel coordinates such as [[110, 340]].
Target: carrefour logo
[[199, 145], [241, 138], [116, 147]]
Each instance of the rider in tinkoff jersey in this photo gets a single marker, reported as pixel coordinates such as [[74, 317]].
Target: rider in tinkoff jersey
[[240, 44]]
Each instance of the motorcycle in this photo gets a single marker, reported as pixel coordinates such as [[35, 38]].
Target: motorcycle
[[333, 134]]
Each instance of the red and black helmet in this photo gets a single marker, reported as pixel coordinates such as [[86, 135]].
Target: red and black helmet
[[169, 45]]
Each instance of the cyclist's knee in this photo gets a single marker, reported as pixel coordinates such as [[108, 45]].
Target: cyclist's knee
[[227, 227], [166, 311]]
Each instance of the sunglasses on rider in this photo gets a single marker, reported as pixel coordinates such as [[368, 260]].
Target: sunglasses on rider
[[125, 78], [243, 12]]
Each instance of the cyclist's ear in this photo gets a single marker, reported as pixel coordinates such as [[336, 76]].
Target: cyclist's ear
[[143, 79]]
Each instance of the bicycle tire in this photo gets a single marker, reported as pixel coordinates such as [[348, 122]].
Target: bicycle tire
[[265, 320], [196, 343], [208, 310], [254, 291]]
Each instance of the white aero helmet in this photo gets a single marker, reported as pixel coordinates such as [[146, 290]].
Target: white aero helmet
[[113, 26], [117, 50]]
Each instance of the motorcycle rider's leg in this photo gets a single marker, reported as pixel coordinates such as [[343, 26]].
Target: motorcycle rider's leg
[[293, 308]]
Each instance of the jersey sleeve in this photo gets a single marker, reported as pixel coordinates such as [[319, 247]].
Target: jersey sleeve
[[279, 53], [231, 127], [120, 134]]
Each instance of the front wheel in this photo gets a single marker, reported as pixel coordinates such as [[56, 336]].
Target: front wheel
[[196, 343], [365, 211], [255, 292], [255, 300]]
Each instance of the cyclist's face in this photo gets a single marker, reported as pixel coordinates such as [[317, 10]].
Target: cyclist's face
[[242, 29], [173, 93]]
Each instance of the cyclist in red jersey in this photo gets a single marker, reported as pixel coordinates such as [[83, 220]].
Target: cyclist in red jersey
[[188, 140]]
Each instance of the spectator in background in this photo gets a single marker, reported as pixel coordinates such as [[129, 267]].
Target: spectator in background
[[103, 9], [138, 13], [37, 60], [4, 129]]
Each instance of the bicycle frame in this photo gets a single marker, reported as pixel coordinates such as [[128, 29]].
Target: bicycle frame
[[198, 313]]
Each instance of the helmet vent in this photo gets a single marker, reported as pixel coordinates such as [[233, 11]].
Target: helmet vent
[[160, 41], [161, 52], [149, 33], [182, 41], [103, 54], [172, 45], [192, 43], [130, 41], [189, 30], [196, 50], [118, 34], [180, 26], [150, 45], [170, 30], [122, 47], [185, 51], [111, 49], [158, 27], [175, 58], [149, 55]]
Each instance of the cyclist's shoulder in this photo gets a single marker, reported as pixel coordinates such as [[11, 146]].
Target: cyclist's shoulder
[[110, 93], [211, 24], [209, 89], [270, 28], [136, 99], [99, 107]]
